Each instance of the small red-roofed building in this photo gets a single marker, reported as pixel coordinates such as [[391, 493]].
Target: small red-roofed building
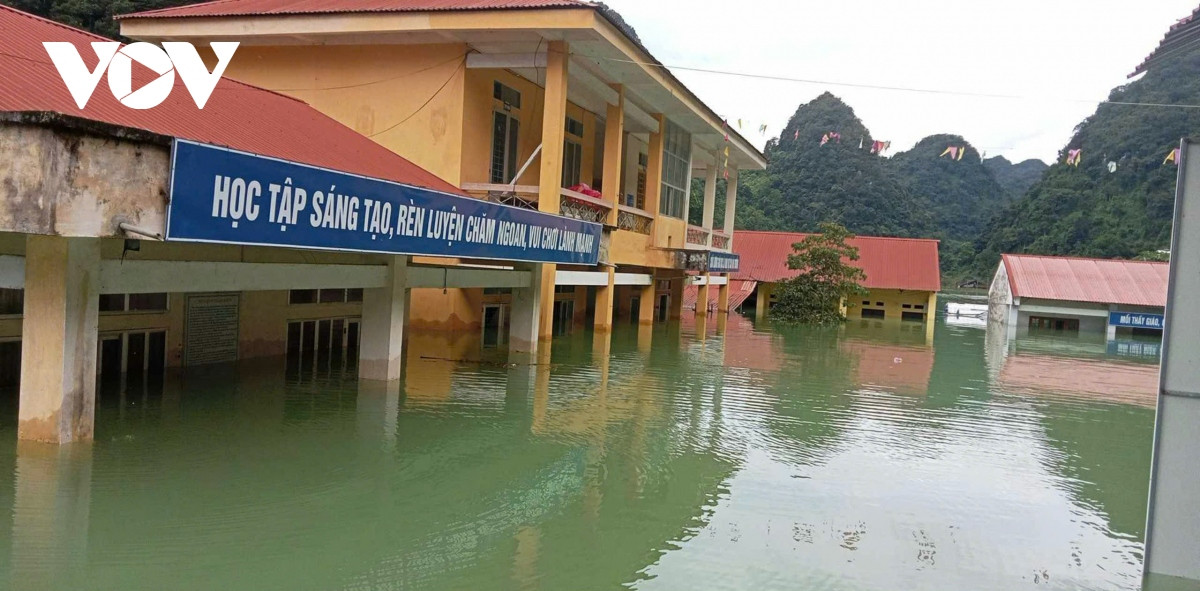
[[1079, 295]]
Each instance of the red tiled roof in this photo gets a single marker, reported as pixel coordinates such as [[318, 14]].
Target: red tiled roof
[[890, 263], [237, 115], [268, 7], [1103, 281]]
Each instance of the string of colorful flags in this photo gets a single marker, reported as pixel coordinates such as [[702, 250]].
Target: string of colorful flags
[[1075, 156]]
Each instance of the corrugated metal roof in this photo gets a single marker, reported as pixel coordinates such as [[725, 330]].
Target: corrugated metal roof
[[889, 263], [1180, 38], [1102, 281], [237, 115], [267, 7]]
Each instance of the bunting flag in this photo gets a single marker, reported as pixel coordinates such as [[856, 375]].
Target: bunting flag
[[825, 139], [962, 151], [833, 135], [739, 123], [796, 136], [1173, 157], [955, 152], [1073, 157], [762, 129], [879, 147], [1112, 166]]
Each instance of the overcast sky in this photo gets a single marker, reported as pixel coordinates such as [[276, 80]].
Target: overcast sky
[[1051, 52]]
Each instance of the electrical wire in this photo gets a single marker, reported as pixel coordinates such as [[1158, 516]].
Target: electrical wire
[[373, 82], [426, 103], [781, 78]]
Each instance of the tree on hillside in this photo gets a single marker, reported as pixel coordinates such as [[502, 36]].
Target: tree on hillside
[[1086, 210], [826, 278], [1016, 179], [806, 182], [91, 15]]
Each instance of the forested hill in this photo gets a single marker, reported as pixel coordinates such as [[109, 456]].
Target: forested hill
[[1090, 211], [1015, 178], [806, 183], [916, 193], [91, 15]]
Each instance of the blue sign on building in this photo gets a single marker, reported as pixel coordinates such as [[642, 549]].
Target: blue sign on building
[[1135, 320], [226, 196], [723, 262]]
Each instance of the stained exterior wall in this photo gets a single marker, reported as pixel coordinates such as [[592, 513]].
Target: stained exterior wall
[[68, 184], [999, 296]]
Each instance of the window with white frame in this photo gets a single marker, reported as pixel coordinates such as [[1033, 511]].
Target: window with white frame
[[133, 302], [572, 153], [677, 171], [505, 132]]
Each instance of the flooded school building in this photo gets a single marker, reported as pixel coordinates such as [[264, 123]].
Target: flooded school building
[[518, 170]]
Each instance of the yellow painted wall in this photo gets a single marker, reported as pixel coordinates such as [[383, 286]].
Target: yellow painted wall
[[378, 90], [669, 232], [893, 301]]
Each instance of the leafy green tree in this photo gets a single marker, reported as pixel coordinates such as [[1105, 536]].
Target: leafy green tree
[[826, 278], [91, 15]]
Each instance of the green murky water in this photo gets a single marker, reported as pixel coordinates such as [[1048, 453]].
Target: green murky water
[[866, 457]]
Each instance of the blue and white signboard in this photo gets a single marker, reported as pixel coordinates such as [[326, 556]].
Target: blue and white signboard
[[1135, 320], [226, 196], [723, 262]]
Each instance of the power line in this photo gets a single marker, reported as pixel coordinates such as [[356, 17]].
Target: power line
[[781, 78], [373, 82], [426, 103]]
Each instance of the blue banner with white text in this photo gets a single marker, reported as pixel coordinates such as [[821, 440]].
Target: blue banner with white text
[[1135, 320], [723, 262], [226, 196]]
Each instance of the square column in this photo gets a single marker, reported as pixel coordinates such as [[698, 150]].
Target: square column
[[654, 167], [723, 296], [525, 313], [710, 197], [702, 298], [730, 203], [614, 139], [383, 316], [605, 295], [554, 117], [646, 306], [677, 298], [59, 338]]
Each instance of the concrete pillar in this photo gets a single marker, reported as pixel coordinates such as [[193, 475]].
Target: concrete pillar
[[710, 196], [730, 203], [677, 298], [614, 138], [646, 297], [605, 296], [579, 313], [554, 117], [723, 296], [59, 334], [654, 167], [381, 355], [762, 304], [525, 313], [702, 297], [930, 317], [1173, 521]]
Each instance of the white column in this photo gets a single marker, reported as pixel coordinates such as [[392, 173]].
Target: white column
[[730, 203], [381, 355], [58, 342], [710, 195], [524, 315], [1173, 522]]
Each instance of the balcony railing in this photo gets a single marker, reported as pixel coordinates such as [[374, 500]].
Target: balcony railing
[[571, 203], [634, 219], [583, 207], [697, 236], [720, 240]]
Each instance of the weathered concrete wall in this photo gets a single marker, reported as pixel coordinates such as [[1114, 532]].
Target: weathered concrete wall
[[999, 297], [58, 182]]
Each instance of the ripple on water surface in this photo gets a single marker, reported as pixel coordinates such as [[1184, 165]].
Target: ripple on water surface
[[870, 456]]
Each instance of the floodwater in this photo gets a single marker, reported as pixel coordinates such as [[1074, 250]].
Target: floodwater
[[873, 456]]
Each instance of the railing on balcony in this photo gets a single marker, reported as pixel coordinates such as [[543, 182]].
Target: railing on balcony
[[720, 240], [571, 203], [516, 195], [583, 207], [634, 219], [697, 236]]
